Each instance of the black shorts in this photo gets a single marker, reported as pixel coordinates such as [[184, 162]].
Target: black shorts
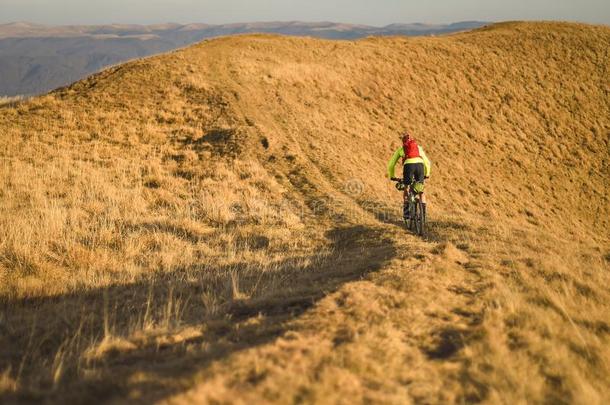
[[413, 171]]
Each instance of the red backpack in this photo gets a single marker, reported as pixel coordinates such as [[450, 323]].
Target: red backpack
[[411, 149]]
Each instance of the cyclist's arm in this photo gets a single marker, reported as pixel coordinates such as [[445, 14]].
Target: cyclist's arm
[[427, 164], [392, 163]]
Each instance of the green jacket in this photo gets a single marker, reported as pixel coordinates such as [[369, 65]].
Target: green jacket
[[400, 153]]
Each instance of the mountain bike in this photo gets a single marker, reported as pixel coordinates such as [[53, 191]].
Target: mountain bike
[[416, 221]]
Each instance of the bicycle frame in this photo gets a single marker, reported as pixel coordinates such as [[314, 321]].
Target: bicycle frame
[[416, 219]]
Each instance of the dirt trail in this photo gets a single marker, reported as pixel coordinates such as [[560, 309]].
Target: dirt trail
[[426, 303]]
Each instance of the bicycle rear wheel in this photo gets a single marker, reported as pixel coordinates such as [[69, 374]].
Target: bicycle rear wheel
[[421, 219], [412, 214], [417, 218]]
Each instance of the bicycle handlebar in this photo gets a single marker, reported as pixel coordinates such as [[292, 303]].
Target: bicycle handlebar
[[398, 180]]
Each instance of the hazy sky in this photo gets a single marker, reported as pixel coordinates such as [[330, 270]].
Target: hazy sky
[[373, 12]]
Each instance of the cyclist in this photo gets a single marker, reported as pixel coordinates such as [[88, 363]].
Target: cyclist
[[416, 166]]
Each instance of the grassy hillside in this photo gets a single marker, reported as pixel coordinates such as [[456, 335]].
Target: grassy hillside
[[214, 225], [35, 58]]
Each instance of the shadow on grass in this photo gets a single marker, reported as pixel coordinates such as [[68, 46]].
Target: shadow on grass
[[46, 342]]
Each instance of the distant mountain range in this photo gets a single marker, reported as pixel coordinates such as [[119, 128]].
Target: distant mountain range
[[37, 58]]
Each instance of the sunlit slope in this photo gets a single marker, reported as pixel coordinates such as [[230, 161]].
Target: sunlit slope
[[214, 224], [515, 116]]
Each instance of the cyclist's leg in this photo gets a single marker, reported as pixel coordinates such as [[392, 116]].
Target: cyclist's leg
[[408, 175], [418, 172], [419, 177]]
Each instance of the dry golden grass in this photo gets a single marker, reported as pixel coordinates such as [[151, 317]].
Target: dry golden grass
[[4, 101], [213, 225]]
